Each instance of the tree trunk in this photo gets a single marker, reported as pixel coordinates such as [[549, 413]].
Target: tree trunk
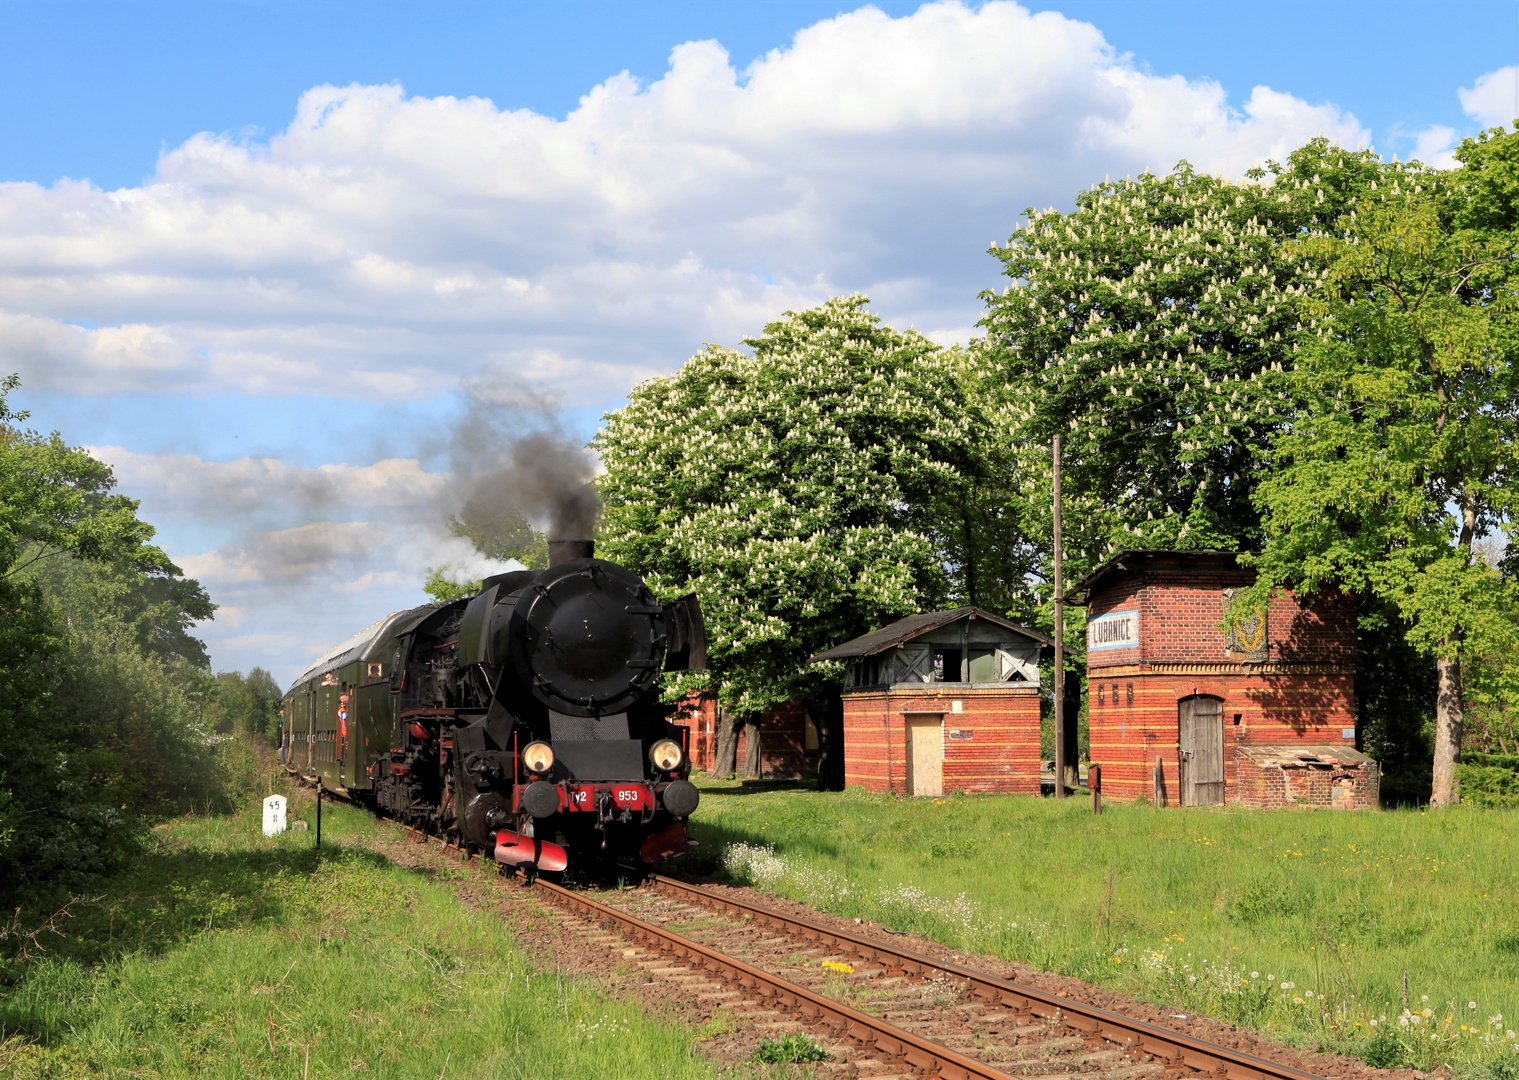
[[827, 712], [1448, 725], [725, 754], [754, 761]]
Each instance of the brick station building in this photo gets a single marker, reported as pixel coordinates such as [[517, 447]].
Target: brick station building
[[1183, 713], [943, 701]]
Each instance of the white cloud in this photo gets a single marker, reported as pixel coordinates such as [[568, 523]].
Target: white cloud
[[384, 245], [1494, 98], [265, 487], [1435, 146]]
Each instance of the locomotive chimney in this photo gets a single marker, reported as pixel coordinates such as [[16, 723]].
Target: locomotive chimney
[[565, 550]]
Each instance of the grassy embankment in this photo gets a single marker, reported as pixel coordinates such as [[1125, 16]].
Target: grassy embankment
[[1299, 924], [224, 954]]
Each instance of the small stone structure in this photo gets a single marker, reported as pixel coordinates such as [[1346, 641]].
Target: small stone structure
[[1182, 711], [943, 701], [1334, 776]]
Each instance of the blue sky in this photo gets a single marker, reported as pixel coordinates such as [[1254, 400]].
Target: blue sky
[[96, 89], [256, 251]]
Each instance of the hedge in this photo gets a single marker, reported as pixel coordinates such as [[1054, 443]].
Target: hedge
[[1488, 779]]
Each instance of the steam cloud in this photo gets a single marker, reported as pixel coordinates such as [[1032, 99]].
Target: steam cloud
[[507, 449]]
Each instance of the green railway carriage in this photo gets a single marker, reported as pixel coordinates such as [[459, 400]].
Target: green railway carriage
[[340, 713]]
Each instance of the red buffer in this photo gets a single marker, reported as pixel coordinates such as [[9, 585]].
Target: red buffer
[[514, 849]]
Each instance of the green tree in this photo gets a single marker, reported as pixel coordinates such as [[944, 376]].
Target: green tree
[[445, 591], [1407, 455], [100, 683], [245, 703], [1141, 326], [800, 492], [242, 717]]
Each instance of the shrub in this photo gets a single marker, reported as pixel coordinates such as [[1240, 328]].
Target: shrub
[[1488, 785], [1502, 761]]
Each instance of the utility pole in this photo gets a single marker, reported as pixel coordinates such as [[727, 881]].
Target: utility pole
[[1061, 750]]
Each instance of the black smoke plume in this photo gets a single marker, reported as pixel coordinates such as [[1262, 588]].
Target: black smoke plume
[[509, 451]]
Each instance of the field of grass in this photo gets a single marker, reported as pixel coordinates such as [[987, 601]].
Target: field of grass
[[224, 954], [1301, 924]]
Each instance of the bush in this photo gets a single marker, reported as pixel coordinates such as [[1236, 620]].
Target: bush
[[1384, 1052], [1504, 1068], [1501, 761], [1487, 785]]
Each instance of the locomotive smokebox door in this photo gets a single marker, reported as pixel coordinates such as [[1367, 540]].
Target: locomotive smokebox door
[[588, 638]]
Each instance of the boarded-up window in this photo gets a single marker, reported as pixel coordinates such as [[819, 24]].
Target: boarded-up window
[[914, 664]]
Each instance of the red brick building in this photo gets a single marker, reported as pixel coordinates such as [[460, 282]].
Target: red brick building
[[944, 701], [1184, 713], [788, 739]]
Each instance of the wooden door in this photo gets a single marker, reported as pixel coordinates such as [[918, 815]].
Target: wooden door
[[925, 755], [1200, 741]]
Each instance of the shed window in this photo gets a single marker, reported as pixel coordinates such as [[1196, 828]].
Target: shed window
[[983, 665], [947, 665]]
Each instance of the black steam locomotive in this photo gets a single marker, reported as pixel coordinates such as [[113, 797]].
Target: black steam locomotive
[[524, 721]]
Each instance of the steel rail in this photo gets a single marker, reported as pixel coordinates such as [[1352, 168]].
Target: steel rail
[[867, 1030], [1173, 1047]]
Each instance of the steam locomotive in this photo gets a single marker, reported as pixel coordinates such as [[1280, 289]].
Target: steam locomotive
[[523, 721]]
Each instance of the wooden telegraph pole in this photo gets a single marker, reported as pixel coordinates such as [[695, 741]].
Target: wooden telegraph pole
[[1061, 750]]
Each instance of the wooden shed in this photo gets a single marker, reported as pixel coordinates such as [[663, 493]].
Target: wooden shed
[[943, 701], [1183, 711]]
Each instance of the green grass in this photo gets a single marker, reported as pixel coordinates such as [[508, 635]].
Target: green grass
[[222, 954], [1207, 910]]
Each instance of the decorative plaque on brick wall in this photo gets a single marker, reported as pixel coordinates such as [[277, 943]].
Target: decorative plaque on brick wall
[[1246, 637]]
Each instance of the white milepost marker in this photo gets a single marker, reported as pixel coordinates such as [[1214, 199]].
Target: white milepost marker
[[274, 815]]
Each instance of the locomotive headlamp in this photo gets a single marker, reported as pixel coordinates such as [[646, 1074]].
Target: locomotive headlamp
[[666, 755], [538, 757]]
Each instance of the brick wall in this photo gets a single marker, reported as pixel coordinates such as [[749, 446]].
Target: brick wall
[[991, 745], [1269, 782], [1181, 612], [1127, 736], [783, 739]]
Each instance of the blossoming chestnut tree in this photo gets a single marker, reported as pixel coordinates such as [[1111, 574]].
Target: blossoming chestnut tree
[[807, 490], [1150, 326]]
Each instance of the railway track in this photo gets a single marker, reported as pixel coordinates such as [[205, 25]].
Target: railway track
[[898, 1012]]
